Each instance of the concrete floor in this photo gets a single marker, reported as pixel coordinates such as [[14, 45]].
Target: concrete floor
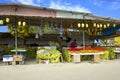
[[105, 70]]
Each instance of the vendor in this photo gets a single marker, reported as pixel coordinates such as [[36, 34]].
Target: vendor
[[73, 44]]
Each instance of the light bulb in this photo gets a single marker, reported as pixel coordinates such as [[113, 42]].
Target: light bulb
[[83, 25], [105, 26], [78, 24], [101, 25], [94, 24], [24, 23], [86, 25], [114, 25], [7, 20], [19, 23], [1, 22], [108, 24], [98, 25]]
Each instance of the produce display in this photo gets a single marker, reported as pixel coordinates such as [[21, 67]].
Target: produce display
[[67, 56], [87, 49], [53, 55]]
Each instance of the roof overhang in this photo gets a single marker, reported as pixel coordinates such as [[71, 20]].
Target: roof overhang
[[33, 16]]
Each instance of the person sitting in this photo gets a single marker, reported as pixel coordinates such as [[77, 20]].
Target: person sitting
[[73, 44]]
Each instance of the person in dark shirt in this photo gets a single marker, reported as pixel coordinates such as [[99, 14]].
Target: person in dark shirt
[[73, 44]]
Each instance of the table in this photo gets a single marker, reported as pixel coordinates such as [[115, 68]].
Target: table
[[77, 57]]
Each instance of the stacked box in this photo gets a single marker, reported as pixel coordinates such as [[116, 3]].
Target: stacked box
[[18, 58]]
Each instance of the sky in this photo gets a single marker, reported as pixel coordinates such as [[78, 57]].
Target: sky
[[104, 8]]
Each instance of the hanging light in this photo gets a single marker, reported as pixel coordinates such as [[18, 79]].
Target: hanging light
[[105, 26], [83, 25], [86, 25], [7, 20], [94, 24], [19, 23], [24, 23], [108, 24], [78, 24], [114, 25], [1, 22], [98, 25]]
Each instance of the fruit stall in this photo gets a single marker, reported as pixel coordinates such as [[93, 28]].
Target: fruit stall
[[98, 53], [48, 55]]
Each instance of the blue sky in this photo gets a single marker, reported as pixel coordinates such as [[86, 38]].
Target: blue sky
[[105, 8]]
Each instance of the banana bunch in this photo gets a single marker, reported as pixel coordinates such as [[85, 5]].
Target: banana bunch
[[67, 56]]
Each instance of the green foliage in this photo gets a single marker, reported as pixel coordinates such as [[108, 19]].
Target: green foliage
[[86, 57], [105, 55], [52, 43], [54, 51], [111, 52], [49, 30], [34, 29], [31, 53], [46, 28], [22, 31], [67, 56], [108, 54], [7, 51]]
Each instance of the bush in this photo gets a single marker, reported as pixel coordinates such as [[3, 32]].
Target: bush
[[7, 51], [108, 54], [31, 53]]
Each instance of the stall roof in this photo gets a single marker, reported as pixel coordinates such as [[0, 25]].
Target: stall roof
[[34, 15]]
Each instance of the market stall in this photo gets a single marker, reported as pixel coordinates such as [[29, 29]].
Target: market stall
[[48, 56]]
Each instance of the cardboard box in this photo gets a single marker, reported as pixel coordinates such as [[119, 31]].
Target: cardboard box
[[18, 58]]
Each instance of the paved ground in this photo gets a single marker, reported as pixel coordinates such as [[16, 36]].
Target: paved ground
[[105, 70]]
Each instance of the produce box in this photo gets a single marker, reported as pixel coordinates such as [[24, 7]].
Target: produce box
[[18, 58]]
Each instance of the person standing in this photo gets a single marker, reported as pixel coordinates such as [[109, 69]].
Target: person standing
[[73, 44]]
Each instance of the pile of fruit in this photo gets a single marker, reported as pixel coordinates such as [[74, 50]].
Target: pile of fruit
[[87, 49], [53, 55]]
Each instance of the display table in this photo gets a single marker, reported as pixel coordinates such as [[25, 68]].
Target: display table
[[19, 57], [20, 52], [77, 57]]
